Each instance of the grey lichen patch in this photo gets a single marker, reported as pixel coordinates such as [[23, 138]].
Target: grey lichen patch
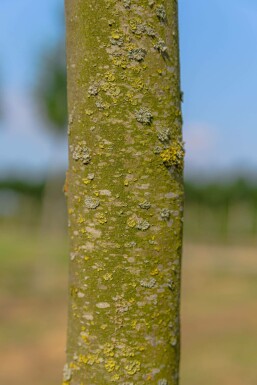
[[93, 90], [138, 223], [148, 283], [127, 4], [145, 205], [91, 203], [161, 13], [157, 150], [163, 381], [100, 104], [142, 225], [150, 31], [91, 176], [119, 42], [139, 29], [144, 116], [164, 135], [137, 54], [67, 373], [165, 214], [171, 285], [161, 46], [117, 38], [81, 152]]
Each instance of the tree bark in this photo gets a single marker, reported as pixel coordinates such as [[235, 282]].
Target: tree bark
[[125, 192]]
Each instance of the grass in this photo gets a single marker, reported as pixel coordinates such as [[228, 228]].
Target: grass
[[219, 311], [219, 323]]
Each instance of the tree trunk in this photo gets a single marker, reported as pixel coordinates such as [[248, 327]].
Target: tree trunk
[[125, 192]]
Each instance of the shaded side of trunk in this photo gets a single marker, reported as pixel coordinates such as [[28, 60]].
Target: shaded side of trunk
[[125, 192]]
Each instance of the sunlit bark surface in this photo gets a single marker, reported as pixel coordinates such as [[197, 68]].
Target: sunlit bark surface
[[125, 192]]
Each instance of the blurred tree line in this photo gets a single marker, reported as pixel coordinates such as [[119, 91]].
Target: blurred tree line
[[227, 211], [214, 210]]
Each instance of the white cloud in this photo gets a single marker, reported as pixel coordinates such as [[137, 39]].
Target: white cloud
[[24, 141], [201, 142], [20, 113]]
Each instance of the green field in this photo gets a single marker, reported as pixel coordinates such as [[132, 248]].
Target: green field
[[219, 311]]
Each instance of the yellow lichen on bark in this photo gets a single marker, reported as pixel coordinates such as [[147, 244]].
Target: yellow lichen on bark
[[125, 196]]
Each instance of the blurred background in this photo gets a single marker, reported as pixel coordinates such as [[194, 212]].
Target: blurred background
[[219, 309]]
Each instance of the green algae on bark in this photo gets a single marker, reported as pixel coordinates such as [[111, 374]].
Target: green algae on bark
[[125, 192]]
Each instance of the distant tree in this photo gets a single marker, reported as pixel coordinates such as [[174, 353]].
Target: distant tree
[[51, 88], [51, 94], [125, 192]]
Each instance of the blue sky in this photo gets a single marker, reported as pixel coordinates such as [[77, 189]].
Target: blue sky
[[218, 40]]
